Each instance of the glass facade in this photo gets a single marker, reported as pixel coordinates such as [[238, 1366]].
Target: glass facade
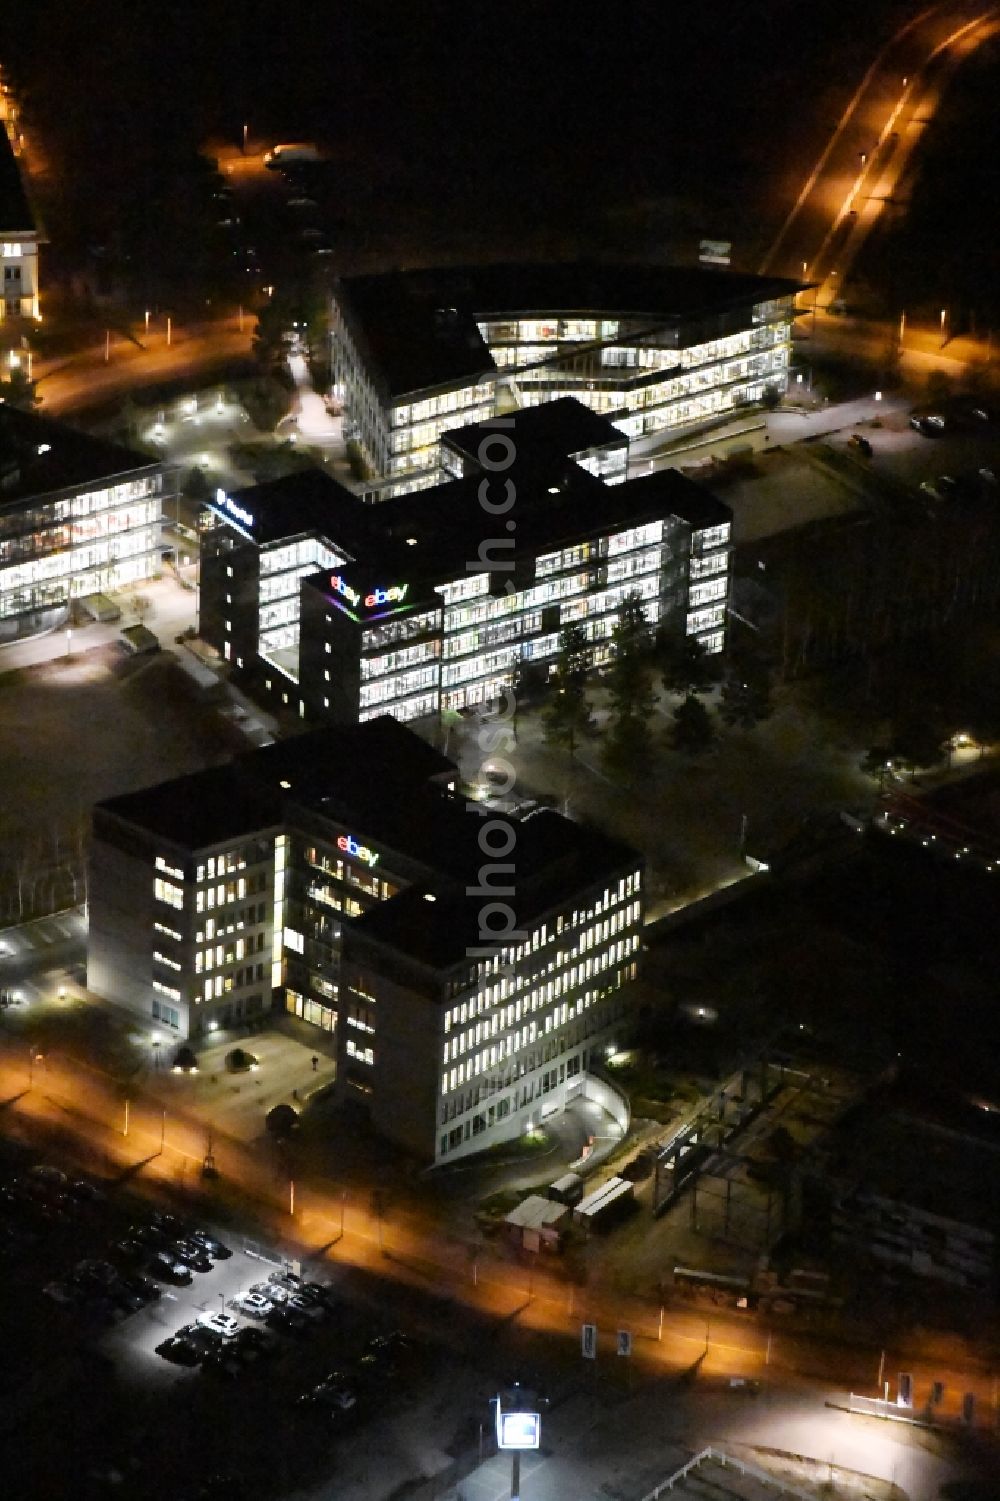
[[519, 1026], [646, 376], [54, 551], [419, 664]]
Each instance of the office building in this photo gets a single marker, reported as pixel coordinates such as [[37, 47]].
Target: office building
[[468, 966], [658, 350], [19, 232], [79, 516], [342, 611]]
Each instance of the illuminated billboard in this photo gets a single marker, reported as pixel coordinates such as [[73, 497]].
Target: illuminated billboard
[[518, 1430]]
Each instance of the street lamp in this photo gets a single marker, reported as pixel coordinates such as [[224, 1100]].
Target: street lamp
[[944, 320]]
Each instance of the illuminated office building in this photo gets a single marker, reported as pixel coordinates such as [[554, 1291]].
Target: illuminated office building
[[78, 516], [467, 967], [19, 233], [656, 350], [427, 601]]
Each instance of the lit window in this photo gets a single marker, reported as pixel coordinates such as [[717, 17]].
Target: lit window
[[166, 891]]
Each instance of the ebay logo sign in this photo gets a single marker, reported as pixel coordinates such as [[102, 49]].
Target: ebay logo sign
[[350, 846], [394, 595]]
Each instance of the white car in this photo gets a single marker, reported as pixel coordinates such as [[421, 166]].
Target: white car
[[222, 1324], [254, 1304]]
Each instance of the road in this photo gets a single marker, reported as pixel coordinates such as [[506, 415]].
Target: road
[[865, 159], [405, 1243], [108, 370]]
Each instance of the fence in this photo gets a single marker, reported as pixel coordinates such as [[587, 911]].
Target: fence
[[720, 1457]]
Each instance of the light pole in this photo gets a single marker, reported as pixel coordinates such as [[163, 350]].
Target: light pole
[[944, 322], [163, 1129]]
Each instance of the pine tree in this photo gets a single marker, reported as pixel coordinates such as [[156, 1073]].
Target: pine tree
[[685, 665], [568, 710], [628, 747], [693, 730], [746, 696]]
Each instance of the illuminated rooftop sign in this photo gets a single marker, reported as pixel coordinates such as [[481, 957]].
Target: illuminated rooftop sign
[[394, 595], [350, 846], [238, 513]]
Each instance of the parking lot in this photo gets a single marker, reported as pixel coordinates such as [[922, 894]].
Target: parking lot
[[133, 1310]]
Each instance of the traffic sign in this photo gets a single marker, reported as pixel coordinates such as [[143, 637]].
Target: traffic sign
[[905, 1390], [588, 1341], [625, 1342], [969, 1407], [937, 1392]]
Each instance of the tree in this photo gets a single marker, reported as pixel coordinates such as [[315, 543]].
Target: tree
[[685, 666], [568, 711], [528, 681], [746, 696], [628, 745], [565, 717], [918, 739], [18, 391], [938, 386], [876, 763], [693, 730], [575, 655]]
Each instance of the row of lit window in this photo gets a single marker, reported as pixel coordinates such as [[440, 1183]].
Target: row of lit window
[[507, 1047], [542, 994], [219, 896], [705, 620], [222, 865], [493, 991]]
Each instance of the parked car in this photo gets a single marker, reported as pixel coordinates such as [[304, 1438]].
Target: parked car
[[256, 1339], [860, 445], [286, 1321], [53, 1177], [168, 1269], [86, 1193], [213, 1247], [930, 427], [254, 1305], [222, 1362], [143, 1286], [129, 1249], [192, 1255], [222, 1324], [63, 1293], [179, 1350]]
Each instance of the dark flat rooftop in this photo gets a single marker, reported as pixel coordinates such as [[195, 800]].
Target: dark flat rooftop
[[550, 855], [426, 535], [556, 504], [565, 426], [15, 210], [67, 458], [196, 811], [306, 501], [388, 787], [419, 328]]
